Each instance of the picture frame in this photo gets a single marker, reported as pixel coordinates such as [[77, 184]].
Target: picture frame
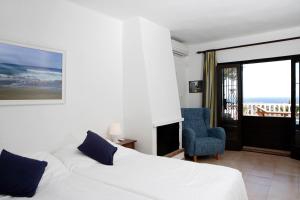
[[31, 75], [196, 86]]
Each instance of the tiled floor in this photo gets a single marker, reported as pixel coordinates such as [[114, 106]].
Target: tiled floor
[[267, 177]]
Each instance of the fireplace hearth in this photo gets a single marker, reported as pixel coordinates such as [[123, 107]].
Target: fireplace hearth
[[167, 138]]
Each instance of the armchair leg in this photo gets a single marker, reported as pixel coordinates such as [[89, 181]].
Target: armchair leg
[[186, 157], [195, 158], [217, 156]]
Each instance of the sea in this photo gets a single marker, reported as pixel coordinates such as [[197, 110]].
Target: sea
[[267, 100]]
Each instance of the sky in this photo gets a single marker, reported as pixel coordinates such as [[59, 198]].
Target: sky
[[269, 79], [30, 57]]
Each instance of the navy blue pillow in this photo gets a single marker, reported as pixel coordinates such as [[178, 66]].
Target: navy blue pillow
[[98, 148], [19, 176]]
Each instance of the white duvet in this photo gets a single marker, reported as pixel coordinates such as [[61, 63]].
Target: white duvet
[[58, 183], [157, 177]]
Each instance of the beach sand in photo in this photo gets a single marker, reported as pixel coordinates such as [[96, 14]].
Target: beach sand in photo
[[10, 93]]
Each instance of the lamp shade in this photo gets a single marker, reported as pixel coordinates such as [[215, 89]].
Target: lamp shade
[[115, 129]]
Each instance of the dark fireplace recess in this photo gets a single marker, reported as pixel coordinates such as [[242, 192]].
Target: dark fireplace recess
[[167, 138]]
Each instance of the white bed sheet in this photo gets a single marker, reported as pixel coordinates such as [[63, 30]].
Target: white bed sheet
[[158, 177], [58, 183]]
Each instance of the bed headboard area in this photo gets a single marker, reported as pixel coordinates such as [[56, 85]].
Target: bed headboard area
[[38, 128], [43, 128]]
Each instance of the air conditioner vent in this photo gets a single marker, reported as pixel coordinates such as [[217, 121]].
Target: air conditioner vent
[[179, 49]]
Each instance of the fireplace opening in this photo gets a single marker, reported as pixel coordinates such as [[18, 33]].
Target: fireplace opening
[[167, 139]]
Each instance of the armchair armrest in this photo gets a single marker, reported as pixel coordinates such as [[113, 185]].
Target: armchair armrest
[[217, 132], [188, 141]]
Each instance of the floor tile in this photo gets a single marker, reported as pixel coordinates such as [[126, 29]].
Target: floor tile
[[267, 177], [258, 180], [257, 191], [287, 169], [284, 186]]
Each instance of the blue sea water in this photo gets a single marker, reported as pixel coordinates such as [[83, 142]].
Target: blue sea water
[[12, 75], [267, 100]]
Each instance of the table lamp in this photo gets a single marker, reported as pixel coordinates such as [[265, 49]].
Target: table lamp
[[115, 131]]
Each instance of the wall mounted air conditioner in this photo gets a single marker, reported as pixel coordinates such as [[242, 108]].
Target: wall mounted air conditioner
[[179, 49]]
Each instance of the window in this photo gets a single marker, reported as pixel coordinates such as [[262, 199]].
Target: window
[[230, 93]]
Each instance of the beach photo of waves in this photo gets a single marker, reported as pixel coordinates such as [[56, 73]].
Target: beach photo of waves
[[29, 74]]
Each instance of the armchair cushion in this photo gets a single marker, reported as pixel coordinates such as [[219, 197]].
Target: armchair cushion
[[208, 146]]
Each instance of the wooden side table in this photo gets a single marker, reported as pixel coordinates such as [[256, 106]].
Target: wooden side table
[[127, 143]]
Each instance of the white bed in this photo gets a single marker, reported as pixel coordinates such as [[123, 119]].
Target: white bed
[[58, 183], [157, 177]]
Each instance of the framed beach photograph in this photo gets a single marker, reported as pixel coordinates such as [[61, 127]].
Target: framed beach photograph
[[195, 86], [31, 75]]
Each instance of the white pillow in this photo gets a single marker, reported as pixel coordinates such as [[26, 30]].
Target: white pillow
[[72, 158], [54, 170]]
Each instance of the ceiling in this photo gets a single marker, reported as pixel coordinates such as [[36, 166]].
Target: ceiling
[[195, 21]]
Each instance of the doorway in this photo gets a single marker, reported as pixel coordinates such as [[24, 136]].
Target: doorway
[[258, 102], [267, 104]]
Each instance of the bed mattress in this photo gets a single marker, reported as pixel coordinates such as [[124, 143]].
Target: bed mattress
[[158, 177]]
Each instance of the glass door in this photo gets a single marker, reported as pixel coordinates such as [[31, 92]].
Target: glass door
[[297, 89], [295, 153], [229, 103]]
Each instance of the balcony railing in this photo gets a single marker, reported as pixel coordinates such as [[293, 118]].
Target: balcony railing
[[267, 109]]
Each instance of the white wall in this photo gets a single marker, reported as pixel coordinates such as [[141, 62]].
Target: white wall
[[181, 76], [92, 43], [195, 61], [150, 87], [194, 72], [137, 112]]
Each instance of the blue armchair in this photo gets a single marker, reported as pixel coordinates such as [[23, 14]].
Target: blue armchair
[[198, 139]]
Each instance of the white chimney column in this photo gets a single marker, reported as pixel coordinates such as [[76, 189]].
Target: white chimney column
[[150, 87]]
